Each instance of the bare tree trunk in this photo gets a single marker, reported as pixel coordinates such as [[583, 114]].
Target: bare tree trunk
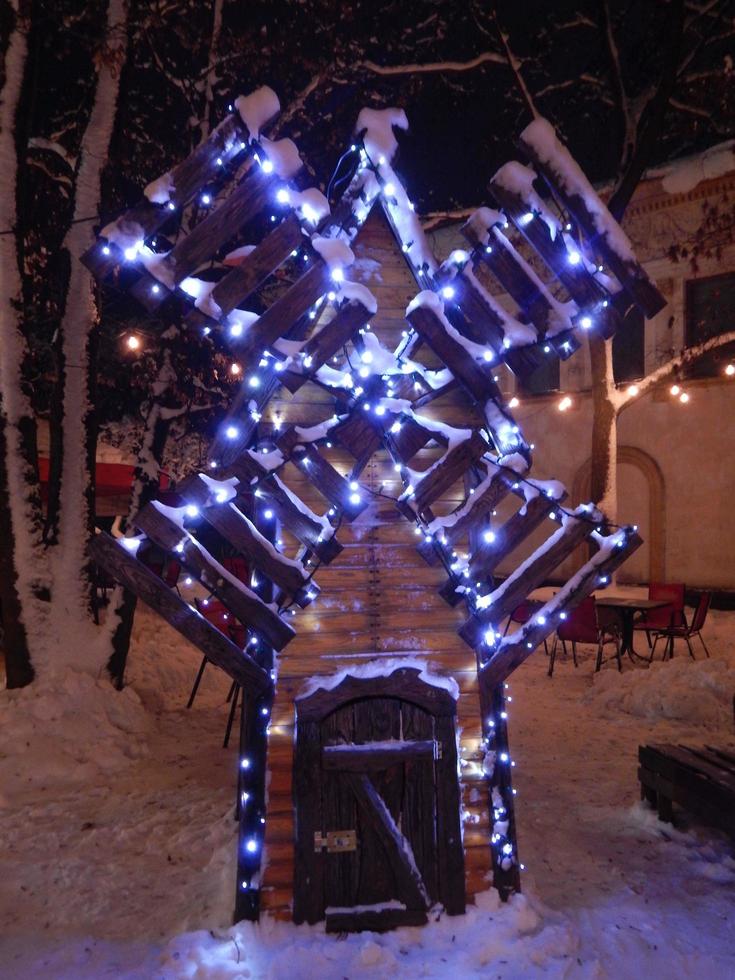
[[604, 428], [21, 548], [77, 344]]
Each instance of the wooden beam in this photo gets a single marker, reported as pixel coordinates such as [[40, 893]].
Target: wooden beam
[[328, 482], [445, 473], [326, 342], [125, 568], [511, 652], [583, 288], [631, 275], [521, 360], [511, 535], [410, 438], [186, 179], [242, 534], [477, 381], [512, 276], [527, 577], [242, 602], [375, 756], [491, 489], [295, 516], [409, 883], [221, 224], [358, 433], [281, 315]]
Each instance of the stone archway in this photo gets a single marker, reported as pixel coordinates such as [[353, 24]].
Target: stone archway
[[650, 469]]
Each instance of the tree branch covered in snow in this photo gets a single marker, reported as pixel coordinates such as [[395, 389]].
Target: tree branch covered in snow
[[434, 66], [625, 397]]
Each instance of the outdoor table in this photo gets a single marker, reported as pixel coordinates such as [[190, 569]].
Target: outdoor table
[[627, 608]]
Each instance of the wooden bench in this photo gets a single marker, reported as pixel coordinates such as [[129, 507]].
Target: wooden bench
[[700, 780]]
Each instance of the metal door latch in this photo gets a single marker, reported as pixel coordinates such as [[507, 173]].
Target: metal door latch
[[335, 841]]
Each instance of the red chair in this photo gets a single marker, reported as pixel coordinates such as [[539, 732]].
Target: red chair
[[521, 615], [666, 617], [217, 614], [685, 632], [581, 626], [171, 573], [238, 567]]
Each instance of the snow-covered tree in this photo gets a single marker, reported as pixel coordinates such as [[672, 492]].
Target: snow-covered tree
[[48, 583]]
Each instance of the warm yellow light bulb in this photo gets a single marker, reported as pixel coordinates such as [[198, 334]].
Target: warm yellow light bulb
[[675, 389], [235, 369], [133, 342], [684, 397], [514, 402], [730, 370], [633, 390]]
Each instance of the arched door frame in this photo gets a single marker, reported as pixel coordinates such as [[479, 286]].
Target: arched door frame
[[647, 465]]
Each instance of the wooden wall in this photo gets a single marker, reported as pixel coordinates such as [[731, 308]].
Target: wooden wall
[[379, 600]]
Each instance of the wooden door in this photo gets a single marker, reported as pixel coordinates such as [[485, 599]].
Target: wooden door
[[376, 795]]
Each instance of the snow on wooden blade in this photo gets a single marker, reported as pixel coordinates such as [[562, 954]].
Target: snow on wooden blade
[[257, 109]]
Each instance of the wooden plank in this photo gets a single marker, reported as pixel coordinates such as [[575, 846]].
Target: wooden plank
[[509, 536], [703, 765], [242, 534], [529, 576], [630, 274], [372, 756], [511, 653], [326, 342], [359, 434], [489, 492], [521, 360], [448, 819], [512, 276], [250, 196], [418, 803], [308, 867], [329, 483], [477, 381], [135, 576], [447, 471], [411, 438], [252, 271], [243, 603], [583, 288], [252, 799], [374, 920], [281, 315], [186, 179], [411, 889], [297, 518]]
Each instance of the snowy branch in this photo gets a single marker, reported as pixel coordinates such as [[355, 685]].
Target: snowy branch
[[515, 66], [40, 143], [433, 66], [437, 219], [621, 399]]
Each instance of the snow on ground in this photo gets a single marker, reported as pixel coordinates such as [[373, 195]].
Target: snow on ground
[[117, 835]]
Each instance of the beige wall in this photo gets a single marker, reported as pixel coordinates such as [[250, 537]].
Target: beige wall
[[679, 480]]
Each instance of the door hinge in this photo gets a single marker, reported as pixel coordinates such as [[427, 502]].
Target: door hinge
[[335, 841]]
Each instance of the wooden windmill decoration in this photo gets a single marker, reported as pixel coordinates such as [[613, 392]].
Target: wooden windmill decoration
[[382, 401]]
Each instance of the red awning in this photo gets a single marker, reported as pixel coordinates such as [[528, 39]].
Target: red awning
[[112, 479]]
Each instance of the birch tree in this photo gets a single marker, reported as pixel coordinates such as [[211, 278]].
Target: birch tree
[[22, 580], [46, 591]]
